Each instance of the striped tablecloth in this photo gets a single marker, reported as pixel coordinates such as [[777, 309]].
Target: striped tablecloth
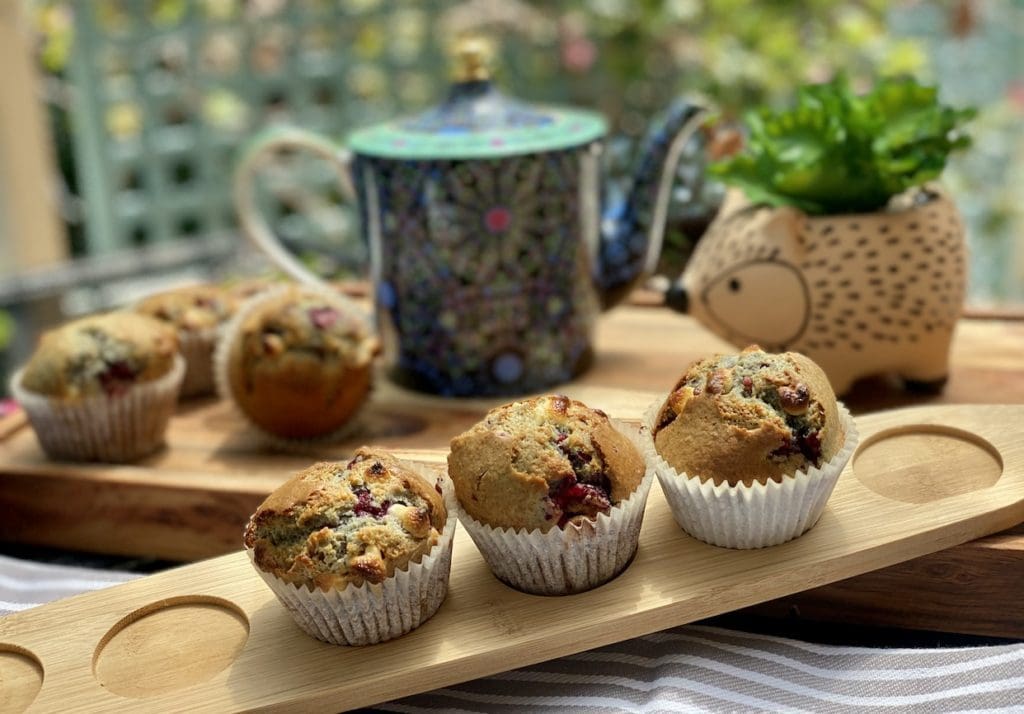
[[691, 668]]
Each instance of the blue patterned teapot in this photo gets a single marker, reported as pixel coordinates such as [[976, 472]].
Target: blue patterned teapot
[[490, 252]]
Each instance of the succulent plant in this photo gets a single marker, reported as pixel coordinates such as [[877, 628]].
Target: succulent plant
[[839, 152]]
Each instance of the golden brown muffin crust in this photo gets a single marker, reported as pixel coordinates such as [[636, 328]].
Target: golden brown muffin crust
[[542, 463], [335, 524], [749, 417], [300, 364], [101, 354], [191, 309]]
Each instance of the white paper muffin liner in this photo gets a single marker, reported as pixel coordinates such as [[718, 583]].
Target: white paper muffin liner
[[755, 516], [103, 428], [197, 349], [571, 559], [371, 613], [230, 331]]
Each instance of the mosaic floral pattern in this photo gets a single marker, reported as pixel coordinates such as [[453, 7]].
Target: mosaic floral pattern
[[485, 284]]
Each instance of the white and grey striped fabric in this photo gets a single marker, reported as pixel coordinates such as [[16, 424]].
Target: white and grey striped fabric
[[25, 584], [696, 668], [692, 668]]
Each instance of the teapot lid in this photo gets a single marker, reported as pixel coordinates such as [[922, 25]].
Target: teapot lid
[[477, 121]]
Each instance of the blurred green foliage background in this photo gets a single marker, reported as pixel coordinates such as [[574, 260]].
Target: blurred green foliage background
[[626, 58]]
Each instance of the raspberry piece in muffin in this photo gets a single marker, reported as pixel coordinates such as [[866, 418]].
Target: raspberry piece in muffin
[[749, 417], [543, 463], [336, 524]]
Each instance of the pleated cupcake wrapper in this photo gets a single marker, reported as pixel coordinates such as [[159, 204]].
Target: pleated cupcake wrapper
[[755, 516], [101, 428], [197, 349], [371, 613], [571, 559], [223, 384]]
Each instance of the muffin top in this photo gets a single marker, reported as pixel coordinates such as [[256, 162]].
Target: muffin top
[[542, 463], [245, 288], [191, 309], [749, 417], [101, 354], [298, 324], [336, 524]]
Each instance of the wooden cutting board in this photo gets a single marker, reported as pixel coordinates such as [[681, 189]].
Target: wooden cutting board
[[211, 636]]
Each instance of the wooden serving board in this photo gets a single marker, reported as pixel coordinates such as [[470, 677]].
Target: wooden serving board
[[211, 636]]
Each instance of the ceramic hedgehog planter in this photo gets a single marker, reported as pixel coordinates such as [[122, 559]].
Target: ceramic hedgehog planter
[[861, 294]]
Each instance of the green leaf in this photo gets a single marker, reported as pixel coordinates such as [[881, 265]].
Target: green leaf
[[836, 152]]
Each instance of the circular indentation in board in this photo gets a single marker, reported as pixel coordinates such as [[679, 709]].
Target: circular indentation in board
[[925, 463], [170, 645], [21, 678]]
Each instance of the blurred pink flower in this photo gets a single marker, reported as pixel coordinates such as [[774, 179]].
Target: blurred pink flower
[[7, 407], [578, 54]]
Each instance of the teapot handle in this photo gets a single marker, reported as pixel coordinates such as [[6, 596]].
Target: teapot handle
[[253, 224]]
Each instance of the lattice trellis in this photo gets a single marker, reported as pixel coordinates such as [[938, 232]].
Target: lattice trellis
[[167, 91]]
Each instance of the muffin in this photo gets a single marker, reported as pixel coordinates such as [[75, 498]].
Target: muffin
[[297, 362], [552, 492], [102, 388], [197, 314], [359, 552], [748, 447]]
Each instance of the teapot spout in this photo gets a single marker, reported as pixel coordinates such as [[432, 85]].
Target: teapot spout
[[633, 225]]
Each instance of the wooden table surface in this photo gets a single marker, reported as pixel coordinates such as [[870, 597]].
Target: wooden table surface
[[974, 588]]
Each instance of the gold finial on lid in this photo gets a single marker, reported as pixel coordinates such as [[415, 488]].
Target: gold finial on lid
[[472, 59]]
